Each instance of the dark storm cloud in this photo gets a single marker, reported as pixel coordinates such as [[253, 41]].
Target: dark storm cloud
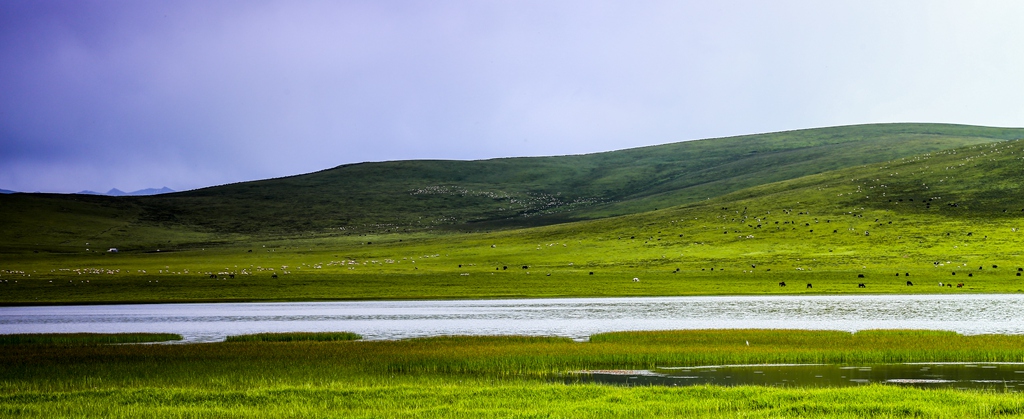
[[100, 94]]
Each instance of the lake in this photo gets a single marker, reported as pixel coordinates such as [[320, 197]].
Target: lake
[[576, 318]]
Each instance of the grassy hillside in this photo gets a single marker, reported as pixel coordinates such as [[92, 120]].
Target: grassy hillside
[[411, 196], [516, 192], [950, 216]]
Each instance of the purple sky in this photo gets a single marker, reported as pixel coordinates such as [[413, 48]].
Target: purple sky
[[186, 94]]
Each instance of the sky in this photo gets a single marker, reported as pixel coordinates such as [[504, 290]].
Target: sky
[[134, 94]]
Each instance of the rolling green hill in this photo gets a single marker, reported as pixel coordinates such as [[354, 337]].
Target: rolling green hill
[[516, 192], [952, 216], [409, 196]]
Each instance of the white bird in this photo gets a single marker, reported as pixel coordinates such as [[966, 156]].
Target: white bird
[[748, 343]]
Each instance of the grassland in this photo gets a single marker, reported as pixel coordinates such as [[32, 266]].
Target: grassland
[[951, 217], [484, 377], [825, 207]]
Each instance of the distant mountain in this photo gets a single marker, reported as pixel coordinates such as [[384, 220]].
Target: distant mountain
[[140, 192], [5, 191]]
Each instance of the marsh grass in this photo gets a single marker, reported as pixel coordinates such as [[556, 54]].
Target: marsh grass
[[497, 376], [296, 337], [85, 338]]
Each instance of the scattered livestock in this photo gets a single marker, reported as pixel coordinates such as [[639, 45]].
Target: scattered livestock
[[809, 286], [782, 284], [861, 285], [273, 275], [860, 275], [636, 279], [910, 284]]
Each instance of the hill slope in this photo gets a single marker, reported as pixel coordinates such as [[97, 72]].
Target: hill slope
[[951, 216], [396, 196], [481, 195]]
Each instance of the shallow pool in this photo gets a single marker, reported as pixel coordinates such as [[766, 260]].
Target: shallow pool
[[994, 376]]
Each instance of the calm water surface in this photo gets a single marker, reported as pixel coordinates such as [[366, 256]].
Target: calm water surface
[[576, 318]]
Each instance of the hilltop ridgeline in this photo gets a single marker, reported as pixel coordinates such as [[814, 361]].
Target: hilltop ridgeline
[[515, 192], [505, 193]]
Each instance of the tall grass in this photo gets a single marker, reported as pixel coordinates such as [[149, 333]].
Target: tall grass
[[483, 377], [85, 338], [296, 337], [494, 357]]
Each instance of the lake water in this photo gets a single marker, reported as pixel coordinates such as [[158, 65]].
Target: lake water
[[575, 318]]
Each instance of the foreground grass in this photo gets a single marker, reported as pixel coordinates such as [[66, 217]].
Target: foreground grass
[[484, 377], [522, 400]]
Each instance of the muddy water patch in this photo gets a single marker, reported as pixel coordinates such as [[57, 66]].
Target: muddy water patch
[[990, 376]]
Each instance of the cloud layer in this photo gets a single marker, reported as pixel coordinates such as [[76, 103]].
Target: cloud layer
[[186, 94]]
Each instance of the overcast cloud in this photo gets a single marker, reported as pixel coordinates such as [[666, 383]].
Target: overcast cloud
[[187, 94]]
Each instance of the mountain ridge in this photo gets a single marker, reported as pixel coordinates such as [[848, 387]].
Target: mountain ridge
[[140, 192]]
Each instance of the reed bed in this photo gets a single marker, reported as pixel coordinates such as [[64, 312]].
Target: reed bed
[[490, 376], [85, 338], [296, 337]]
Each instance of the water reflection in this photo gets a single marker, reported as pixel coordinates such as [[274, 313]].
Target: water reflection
[[994, 376], [574, 318]]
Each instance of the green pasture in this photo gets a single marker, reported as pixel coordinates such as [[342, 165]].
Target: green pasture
[[485, 377], [952, 216], [713, 248]]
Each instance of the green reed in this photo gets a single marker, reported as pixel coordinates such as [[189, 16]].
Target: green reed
[[296, 337], [488, 376], [85, 338]]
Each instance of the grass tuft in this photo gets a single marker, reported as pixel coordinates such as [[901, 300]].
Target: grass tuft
[[296, 337], [85, 338]]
